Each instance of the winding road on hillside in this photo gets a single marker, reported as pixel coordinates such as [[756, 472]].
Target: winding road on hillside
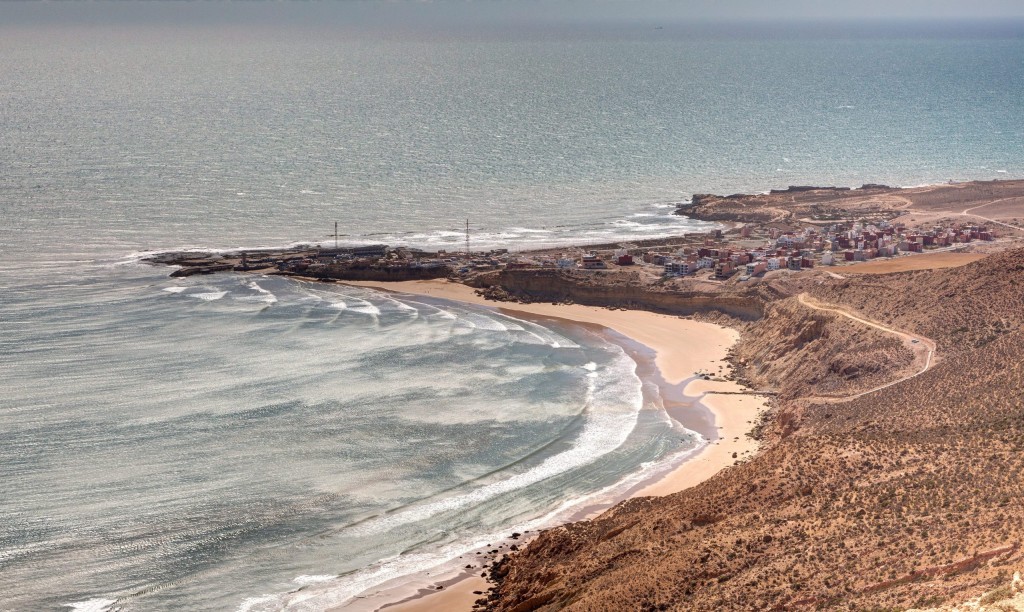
[[923, 348]]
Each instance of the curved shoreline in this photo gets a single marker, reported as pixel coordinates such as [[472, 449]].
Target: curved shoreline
[[680, 348]]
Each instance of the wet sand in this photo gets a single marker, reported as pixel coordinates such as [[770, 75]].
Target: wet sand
[[682, 347]]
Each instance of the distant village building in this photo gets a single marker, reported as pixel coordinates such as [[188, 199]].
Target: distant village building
[[679, 268], [724, 269], [756, 267], [591, 261]]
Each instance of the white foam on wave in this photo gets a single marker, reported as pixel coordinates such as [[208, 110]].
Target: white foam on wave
[[404, 308], [174, 289], [480, 321], [659, 225], [437, 310], [306, 579], [390, 571], [208, 296], [527, 230], [91, 605], [547, 336], [364, 307], [338, 305], [251, 604], [611, 405], [509, 323], [265, 295]]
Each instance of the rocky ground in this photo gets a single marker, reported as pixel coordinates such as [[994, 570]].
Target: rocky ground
[[995, 199], [911, 496]]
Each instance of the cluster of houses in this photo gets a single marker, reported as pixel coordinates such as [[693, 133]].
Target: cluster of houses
[[724, 262], [784, 248], [800, 249], [862, 242]]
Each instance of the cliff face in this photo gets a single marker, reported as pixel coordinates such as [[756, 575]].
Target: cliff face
[[797, 351], [377, 273], [566, 285], [910, 496]]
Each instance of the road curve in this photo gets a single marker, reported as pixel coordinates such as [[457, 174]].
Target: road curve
[[966, 212], [924, 348]]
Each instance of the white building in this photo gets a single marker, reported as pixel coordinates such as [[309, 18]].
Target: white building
[[679, 268]]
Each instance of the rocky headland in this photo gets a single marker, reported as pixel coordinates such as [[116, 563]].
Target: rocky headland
[[908, 496], [891, 475]]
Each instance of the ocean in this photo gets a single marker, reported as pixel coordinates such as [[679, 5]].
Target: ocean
[[222, 442]]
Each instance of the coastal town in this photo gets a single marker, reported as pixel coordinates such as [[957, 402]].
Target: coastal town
[[741, 253], [850, 305]]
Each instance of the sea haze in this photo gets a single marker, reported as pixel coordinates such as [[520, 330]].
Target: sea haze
[[219, 442]]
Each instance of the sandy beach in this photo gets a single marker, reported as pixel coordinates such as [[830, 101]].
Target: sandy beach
[[682, 347]]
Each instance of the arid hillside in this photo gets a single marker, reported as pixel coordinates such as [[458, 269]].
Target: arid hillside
[[796, 351], [909, 496], [996, 199], [961, 308]]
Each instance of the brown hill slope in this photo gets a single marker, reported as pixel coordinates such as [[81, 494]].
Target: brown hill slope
[[797, 351], [961, 308], [912, 495]]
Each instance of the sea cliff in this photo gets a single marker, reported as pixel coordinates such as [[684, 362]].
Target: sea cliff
[[904, 496]]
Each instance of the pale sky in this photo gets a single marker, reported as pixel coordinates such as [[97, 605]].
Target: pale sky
[[439, 12]]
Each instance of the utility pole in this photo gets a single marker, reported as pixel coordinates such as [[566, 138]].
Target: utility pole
[[467, 236]]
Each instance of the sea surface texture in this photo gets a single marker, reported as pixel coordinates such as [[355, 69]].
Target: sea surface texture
[[218, 443]]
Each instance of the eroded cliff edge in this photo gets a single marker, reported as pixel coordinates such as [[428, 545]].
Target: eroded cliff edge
[[909, 496]]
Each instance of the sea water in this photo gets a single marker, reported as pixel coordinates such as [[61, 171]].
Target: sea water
[[190, 443], [251, 442]]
